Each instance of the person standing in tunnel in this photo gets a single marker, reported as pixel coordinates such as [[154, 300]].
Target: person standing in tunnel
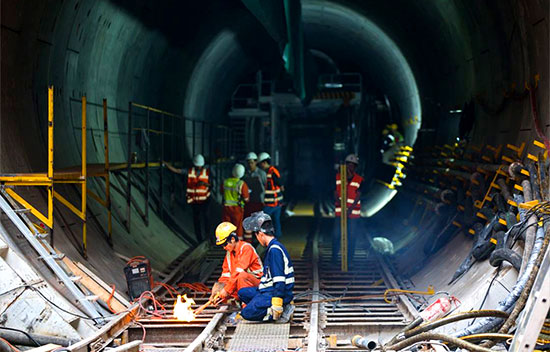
[[354, 183], [255, 179], [242, 267], [272, 299], [235, 196], [273, 192], [197, 194]]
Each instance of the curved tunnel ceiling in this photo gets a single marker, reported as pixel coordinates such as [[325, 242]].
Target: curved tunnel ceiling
[[433, 55]]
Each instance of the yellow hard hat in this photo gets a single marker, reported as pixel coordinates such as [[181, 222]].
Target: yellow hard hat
[[223, 231]]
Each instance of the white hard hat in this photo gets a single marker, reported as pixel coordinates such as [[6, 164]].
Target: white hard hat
[[198, 160], [238, 171], [251, 156], [263, 156], [352, 158]]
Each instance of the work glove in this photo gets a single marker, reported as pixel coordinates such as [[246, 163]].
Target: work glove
[[276, 307], [220, 297], [218, 286]]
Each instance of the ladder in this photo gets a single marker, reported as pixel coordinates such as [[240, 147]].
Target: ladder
[[46, 252]]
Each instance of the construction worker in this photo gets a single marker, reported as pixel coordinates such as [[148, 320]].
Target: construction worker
[[353, 202], [235, 195], [273, 192], [242, 266], [272, 299], [255, 179], [198, 193]]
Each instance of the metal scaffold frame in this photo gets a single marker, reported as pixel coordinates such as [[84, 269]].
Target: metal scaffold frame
[[49, 179]]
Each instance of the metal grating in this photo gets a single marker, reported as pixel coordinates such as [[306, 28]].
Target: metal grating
[[260, 337]]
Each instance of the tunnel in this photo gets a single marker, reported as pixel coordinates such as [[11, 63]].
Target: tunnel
[[445, 104]]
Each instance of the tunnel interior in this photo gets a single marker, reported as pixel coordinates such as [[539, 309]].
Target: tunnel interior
[[210, 77]]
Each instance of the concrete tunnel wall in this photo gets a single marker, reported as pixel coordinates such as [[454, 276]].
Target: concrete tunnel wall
[[121, 51]]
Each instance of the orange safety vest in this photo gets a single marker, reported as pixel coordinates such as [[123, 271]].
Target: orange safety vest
[[352, 189], [242, 259], [273, 195], [197, 193]]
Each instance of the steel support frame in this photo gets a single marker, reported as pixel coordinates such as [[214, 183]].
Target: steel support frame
[[536, 310]]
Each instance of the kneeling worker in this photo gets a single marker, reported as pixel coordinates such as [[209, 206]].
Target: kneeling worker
[[272, 299], [242, 266]]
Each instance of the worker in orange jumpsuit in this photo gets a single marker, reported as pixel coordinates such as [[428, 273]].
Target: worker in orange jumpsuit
[[242, 267], [235, 195]]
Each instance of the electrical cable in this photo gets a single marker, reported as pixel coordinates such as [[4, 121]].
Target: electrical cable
[[9, 344], [22, 332], [427, 326], [63, 309], [486, 293], [425, 336]]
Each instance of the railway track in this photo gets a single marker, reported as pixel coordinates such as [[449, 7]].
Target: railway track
[[325, 326]]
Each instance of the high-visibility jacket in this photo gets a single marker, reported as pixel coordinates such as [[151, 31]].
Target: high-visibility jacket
[[198, 193], [273, 196], [235, 192], [242, 259], [278, 277], [352, 188]]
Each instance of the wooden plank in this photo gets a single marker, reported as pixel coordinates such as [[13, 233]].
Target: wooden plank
[[45, 348], [103, 284], [93, 286]]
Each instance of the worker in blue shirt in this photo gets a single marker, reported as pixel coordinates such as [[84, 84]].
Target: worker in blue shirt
[[272, 299]]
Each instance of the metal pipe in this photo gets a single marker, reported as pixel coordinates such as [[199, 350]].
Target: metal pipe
[[363, 342], [130, 346], [20, 338]]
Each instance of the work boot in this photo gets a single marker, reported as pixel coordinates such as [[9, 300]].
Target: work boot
[[288, 313]]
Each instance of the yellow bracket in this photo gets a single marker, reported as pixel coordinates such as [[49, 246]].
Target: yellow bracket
[[68, 204], [33, 210], [507, 159], [457, 224], [430, 291], [532, 157], [529, 205]]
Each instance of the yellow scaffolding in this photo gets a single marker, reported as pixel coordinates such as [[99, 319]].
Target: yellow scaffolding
[[67, 176]]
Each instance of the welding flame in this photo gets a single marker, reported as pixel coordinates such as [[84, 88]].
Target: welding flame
[[182, 308]]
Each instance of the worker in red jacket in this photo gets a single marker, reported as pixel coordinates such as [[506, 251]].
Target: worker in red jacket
[[197, 194], [273, 192], [353, 202], [241, 267]]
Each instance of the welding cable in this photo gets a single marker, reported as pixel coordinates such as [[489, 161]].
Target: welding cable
[[436, 336], [142, 328], [10, 345], [113, 287], [156, 304], [22, 332], [171, 290], [522, 300], [518, 290], [454, 318]]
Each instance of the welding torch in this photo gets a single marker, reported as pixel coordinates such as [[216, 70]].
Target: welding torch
[[212, 300]]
